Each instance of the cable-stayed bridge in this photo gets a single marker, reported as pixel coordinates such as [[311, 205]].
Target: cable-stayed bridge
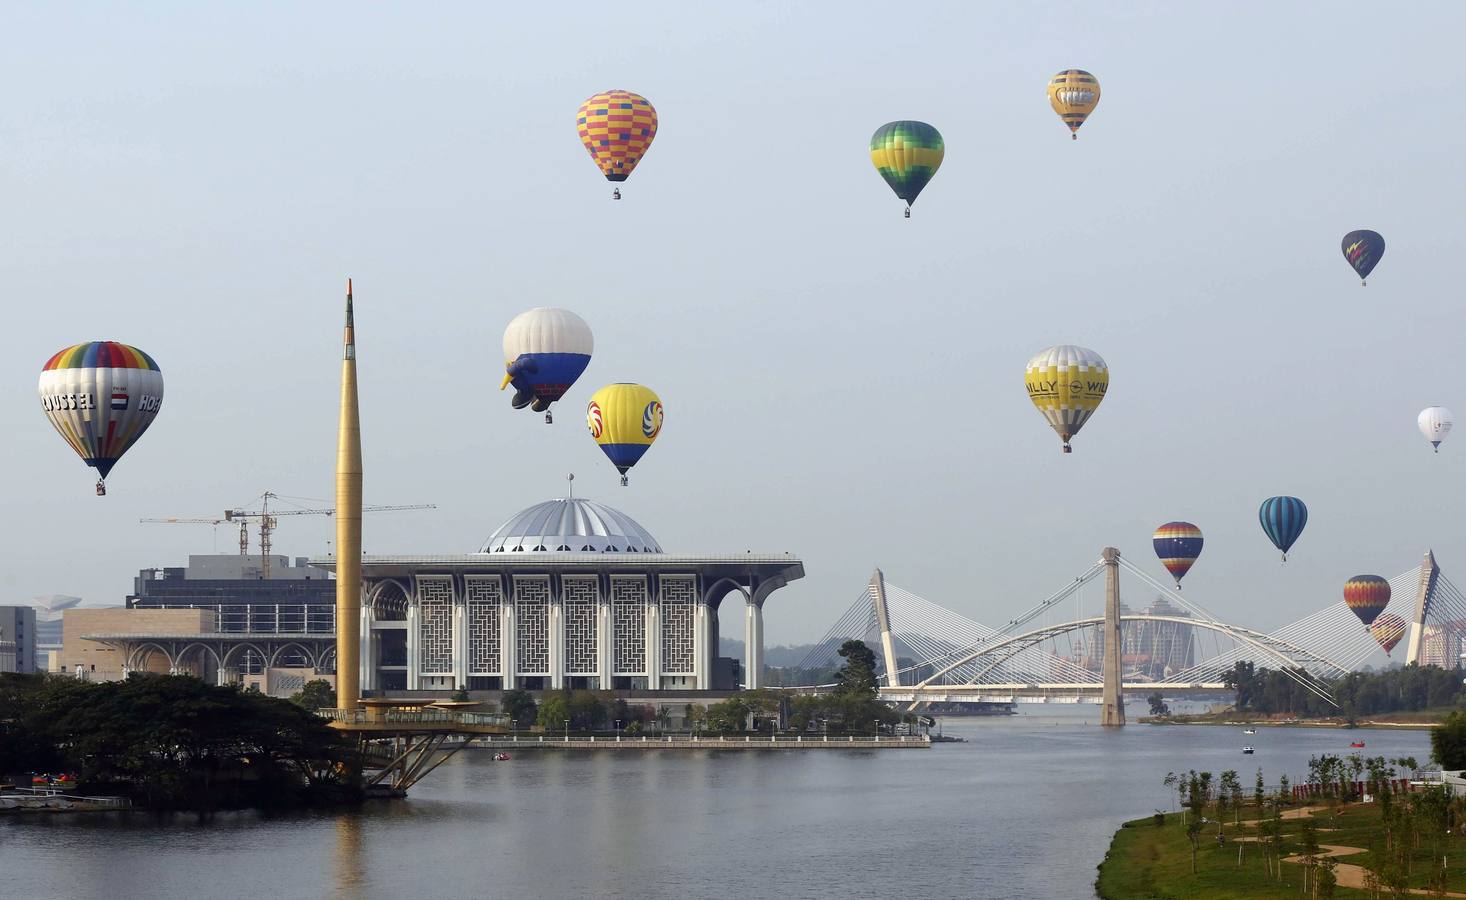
[[1060, 649]]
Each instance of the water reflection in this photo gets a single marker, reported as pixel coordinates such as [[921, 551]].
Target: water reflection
[[1024, 810]]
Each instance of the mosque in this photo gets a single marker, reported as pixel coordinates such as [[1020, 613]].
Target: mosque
[[567, 593]]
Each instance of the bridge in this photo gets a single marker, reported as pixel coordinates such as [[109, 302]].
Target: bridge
[[1061, 650]]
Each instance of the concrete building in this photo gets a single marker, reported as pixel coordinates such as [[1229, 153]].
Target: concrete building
[[153, 640], [568, 593], [7, 653], [18, 624], [48, 627], [295, 598]]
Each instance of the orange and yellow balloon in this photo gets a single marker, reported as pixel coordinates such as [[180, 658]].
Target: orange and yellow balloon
[[616, 127]]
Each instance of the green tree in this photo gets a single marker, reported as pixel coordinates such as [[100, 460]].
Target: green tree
[[519, 706], [1158, 705], [460, 695], [858, 676], [728, 717], [554, 712], [1448, 742], [315, 694]]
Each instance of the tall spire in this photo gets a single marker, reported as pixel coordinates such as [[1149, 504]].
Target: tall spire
[[348, 527]]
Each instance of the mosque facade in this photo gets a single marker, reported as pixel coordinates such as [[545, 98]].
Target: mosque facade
[[568, 593]]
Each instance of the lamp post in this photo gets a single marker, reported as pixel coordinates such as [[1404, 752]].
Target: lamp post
[[618, 729], [567, 731]]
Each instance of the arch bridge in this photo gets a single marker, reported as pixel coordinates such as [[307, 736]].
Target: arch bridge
[[929, 654]]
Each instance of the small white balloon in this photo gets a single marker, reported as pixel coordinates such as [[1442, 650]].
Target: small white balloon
[[1435, 423]]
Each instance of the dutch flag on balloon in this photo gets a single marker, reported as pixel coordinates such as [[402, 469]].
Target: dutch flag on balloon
[[119, 399]]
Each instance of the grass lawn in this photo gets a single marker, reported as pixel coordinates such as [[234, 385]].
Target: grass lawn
[[1146, 861]]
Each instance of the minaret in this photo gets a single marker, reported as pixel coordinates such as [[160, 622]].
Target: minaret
[[348, 529]]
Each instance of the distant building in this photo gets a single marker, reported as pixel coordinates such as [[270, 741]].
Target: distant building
[[48, 626], [92, 660], [18, 624], [294, 599], [7, 653]]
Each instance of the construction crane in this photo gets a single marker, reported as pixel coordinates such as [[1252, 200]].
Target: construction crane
[[267, 519]]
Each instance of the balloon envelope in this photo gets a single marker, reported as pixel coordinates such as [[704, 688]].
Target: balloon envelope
[[1387, 630], [1435, 422], [1067, 384], [1074, 93], [1282, 520], [545, 351], [624, 419], [101, 397], [1367, 596], [1178, 544], [616, 127], [907, 154], [1363, 250]]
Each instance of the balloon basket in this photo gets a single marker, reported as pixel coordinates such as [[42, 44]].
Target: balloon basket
[[908, 212], [549, 419], [101, 488], [615, 193], [625, 481]]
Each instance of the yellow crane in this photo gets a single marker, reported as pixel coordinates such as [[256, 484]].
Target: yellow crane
[[266, 520]]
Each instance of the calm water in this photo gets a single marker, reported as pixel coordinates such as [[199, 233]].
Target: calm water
[[1024, 810]]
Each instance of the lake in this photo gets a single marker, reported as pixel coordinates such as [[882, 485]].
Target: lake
[[1024, 809]]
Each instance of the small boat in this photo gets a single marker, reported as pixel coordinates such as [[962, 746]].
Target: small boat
[[1357, 745], [501, 757], [1247, 750], [1249, 731]]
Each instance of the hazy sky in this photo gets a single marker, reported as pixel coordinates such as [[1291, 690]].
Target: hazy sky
[[839, 382]]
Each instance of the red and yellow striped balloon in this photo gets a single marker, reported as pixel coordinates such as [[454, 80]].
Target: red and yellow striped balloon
[[616, 127], [1367, 596]]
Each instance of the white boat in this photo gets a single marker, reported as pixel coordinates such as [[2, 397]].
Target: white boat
[[1247, 750], [1249, 731]]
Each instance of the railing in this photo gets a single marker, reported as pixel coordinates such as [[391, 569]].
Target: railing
[[715, 739], [412, 717], [46, 792]]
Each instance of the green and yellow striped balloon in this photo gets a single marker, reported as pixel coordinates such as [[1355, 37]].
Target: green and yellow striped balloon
[[907, 154]]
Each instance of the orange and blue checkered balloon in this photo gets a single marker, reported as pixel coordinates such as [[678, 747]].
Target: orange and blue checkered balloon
[[1178, 544], [616, 127]]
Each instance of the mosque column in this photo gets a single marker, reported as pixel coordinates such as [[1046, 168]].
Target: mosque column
[[653, 643], [605, 639], [557, 641], [460, 637], [700, 636], [507, 646], [753, 642], [412, 642]]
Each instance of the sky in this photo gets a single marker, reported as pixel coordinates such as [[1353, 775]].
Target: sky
[[199, 180]]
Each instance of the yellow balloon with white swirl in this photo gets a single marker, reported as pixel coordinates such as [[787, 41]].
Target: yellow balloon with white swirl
[[624, 419], [1067, 384]]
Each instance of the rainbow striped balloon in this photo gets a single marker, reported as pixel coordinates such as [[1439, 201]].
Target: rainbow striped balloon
[[101, 396], [1178, 544]]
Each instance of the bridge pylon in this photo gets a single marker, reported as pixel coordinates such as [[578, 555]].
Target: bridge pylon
[[1113, 695], [883, 622], [1424, 594]]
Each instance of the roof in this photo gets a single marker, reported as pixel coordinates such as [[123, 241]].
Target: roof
[[571, 525]]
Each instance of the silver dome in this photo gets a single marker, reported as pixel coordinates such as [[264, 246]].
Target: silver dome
[[571, 526]]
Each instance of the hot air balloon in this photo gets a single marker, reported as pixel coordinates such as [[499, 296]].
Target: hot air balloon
[[1178, 544], [1283, 519], [616, 127], [545, 350], [1387, 631], [624, 419], [1435, 423], [1363, 250], [1367, 596], [1067, 383], [907, 154], [1074, 93], [101, 396]]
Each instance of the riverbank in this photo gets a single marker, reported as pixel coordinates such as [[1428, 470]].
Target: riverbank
[[705, 742], [1146, 860], [1420, 719]]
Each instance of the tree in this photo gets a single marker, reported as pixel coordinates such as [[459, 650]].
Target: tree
[[1158, 705], [460, 695], [519, 706], [315, 694], [1448, 742], [858, 675], [554, 712]]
